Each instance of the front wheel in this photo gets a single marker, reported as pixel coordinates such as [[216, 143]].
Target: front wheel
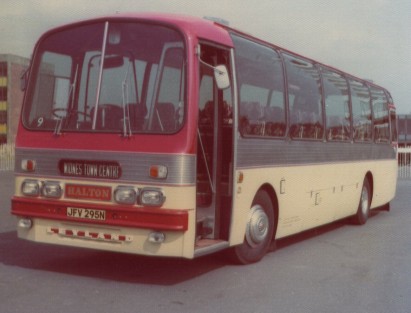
[[259, 231], [363, 212]]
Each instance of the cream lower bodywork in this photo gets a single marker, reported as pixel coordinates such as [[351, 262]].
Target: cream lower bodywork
[[311, 195], [176, 243], [308, 196]]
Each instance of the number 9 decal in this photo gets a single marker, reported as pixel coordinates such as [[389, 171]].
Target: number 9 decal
[[40, 121]]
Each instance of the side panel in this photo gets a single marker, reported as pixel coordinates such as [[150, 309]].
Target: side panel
[[315, 182], [312, 195]]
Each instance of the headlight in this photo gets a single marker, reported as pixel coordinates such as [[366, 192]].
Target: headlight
[[125, 195], [30, 188], [152, 197], [51, 189]]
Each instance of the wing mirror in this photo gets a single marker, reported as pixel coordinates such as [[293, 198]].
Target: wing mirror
[[221, 77]]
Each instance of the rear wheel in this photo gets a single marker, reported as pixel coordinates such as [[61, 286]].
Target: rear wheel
[[363, 211], [259, 231]]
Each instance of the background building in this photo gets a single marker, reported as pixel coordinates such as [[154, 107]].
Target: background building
[[11, 96]]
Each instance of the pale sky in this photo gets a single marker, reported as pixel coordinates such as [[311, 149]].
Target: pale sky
[[370, 39]]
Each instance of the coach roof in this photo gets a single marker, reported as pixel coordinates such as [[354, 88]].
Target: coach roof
[[192, 26]]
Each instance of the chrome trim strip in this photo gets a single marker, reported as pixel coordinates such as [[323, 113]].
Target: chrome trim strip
[[135, 166], [272, 152]]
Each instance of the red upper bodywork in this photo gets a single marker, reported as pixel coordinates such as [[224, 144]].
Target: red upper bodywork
[[193, 29]]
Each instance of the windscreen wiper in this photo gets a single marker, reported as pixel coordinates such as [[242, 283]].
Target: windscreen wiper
[[66, 109], [126, 112]]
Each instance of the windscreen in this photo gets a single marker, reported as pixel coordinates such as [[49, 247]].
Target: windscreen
[[108, 77]]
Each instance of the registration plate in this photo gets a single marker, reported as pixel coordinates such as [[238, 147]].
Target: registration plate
[[89, 214]]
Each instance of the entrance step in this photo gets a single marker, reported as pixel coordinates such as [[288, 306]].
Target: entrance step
[[208, 246]]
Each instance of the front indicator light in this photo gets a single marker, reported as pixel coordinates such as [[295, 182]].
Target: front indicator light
[[51, 189], [125, 195], [152, 197], [28, 165], [158, 171], [30, 188]]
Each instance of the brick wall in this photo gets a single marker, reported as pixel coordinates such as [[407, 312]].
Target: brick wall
[[11, 97]]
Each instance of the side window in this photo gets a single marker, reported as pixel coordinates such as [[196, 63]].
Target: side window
[[209, 94], [381, 116], [361, 110], [337, 108], [206, 104], [393, 119], [394, 130], [52, 91], [253, 101], [304, 99], [261, 96]]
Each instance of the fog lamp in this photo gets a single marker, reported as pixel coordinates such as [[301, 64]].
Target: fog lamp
[[156, 237], [25, 223]]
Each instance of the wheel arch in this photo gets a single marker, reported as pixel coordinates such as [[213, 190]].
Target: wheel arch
[[269, 189], [370, 179]]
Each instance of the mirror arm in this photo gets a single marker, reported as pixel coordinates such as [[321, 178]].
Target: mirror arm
[[220, 71], [211, 66]]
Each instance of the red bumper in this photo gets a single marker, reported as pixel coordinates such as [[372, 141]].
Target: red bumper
[[148, 218]]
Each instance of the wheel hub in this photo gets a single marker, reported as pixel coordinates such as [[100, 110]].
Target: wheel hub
[[257, 227]]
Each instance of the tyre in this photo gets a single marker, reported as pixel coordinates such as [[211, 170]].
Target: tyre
[[363, 211], [259, 232]]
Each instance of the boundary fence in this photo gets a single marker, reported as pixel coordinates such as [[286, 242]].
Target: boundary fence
[[7, 157], [404, 162]]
